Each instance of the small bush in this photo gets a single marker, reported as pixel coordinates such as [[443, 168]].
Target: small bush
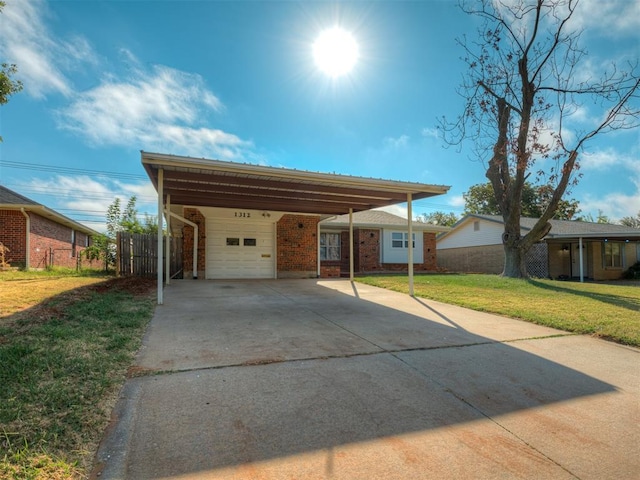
[[633, 272]]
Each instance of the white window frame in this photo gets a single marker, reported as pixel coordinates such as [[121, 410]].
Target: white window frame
[[325, 247], [403, 239]]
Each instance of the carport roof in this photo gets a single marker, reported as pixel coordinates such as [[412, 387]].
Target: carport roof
[[216, 183]]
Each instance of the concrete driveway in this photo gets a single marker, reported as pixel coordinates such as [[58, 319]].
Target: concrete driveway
[[314, 379]]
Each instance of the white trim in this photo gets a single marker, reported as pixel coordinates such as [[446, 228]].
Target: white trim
[[351, 262], [27, 255], [167, 260], [160, 195], [410, 243]]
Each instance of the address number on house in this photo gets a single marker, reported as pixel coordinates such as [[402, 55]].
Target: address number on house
[[242, 214]]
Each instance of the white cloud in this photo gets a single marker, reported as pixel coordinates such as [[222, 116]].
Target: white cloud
[[612, 17], [89, 197], [395, 210], [152, 110], [456, 201], [396, 142], [27, 41], [430, 133], [615, 204]]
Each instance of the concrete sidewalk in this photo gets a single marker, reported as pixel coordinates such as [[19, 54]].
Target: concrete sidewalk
[[312, 379]]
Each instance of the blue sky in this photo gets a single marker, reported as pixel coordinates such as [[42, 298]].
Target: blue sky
[[237, 81]]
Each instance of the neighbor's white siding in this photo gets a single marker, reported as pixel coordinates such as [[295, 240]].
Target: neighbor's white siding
[[488, 233]]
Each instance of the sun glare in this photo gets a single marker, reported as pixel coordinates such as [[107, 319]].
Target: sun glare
[[335, 52]]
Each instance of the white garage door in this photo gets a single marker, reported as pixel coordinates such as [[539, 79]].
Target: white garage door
[[240, 249]]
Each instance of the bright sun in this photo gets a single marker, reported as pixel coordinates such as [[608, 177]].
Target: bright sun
[[335, 52]]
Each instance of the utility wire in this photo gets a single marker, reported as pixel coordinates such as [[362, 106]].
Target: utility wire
[[69, 170]]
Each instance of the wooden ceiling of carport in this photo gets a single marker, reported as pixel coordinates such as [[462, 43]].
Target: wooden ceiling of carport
[[214, 183]]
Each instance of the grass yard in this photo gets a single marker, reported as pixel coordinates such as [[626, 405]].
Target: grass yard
[[66, 342], [604, 310]]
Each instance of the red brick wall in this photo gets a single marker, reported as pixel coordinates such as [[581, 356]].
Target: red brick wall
[[367, 253], [297, 246], [13, 235], [51, 244], [366, 250], [196, 217]]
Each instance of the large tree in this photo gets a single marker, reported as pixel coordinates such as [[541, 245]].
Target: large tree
[[631, 221], [527, 75], [440, 218], [480, 199]]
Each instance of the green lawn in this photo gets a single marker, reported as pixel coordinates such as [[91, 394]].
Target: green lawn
[[64, 358], [604, 310]]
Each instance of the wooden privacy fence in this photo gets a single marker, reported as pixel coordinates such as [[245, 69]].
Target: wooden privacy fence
[[137, 255]]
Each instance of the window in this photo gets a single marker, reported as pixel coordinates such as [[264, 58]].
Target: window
[[613, 254], [233, 242], [249, 242], [330, 246], [401, 240], [476, 226]]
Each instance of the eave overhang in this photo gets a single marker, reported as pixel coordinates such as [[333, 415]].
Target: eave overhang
[[216, 183]]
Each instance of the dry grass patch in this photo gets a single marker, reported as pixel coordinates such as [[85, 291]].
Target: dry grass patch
[[64, 360]]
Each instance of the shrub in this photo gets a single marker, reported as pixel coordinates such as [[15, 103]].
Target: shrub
[[633, 272]]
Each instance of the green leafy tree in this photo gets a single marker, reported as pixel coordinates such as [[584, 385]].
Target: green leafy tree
[[439, 218], [633, 222], [479, 199], [126, 219], [101, 248], [522, 85], [600, 218]]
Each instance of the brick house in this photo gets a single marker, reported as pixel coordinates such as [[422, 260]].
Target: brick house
[[37, 236], [380, 243], [572, 249], [263, 222]]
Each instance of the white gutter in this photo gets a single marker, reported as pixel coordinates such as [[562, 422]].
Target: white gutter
[[160, 195], [167, 260], [318, 247], [27, 253], [351, 244], [195, 241]]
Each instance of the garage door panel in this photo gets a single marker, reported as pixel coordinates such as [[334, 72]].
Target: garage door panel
[[248, 254]]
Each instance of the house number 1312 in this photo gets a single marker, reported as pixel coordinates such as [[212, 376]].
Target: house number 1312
[[242, 215]]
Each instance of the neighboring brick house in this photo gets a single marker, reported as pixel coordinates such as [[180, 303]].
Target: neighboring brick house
[[380, 244], [474, 244], [38, 237]]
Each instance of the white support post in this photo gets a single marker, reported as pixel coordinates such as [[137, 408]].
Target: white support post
[[580, 259], [351, 244], [160, 210], [318, 248], [410, 243], [167, 260]]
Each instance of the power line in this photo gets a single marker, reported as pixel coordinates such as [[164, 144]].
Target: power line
[[69, 170], [51, 191]]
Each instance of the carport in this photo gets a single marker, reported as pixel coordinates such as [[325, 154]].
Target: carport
[[204, 182]]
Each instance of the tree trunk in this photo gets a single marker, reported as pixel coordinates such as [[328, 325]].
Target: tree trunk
[[515, 265]]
